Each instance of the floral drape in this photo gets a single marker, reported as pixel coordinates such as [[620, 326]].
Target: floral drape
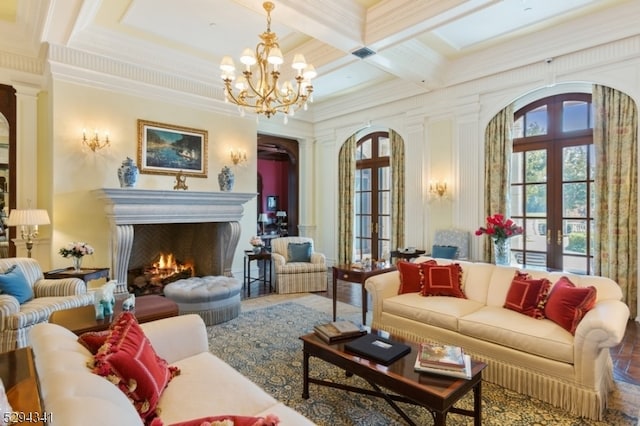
[[346, 193], [498, 145], [397, 190], [615, 138]]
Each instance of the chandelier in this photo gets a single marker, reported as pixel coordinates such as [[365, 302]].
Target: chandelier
[[258, 88]]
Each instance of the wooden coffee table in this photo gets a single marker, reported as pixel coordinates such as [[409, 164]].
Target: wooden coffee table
[[83, 319], [438, 394]]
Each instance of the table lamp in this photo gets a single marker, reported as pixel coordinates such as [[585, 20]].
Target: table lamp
[[263, 218], [28, 220]]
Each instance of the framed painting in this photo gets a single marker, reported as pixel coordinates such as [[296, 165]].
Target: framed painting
[[166, 149], [272, 203]]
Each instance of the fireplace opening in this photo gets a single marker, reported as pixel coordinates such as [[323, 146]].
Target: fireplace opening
[[164, 270]]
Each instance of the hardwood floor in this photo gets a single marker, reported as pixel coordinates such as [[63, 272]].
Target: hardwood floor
[[626, 356]]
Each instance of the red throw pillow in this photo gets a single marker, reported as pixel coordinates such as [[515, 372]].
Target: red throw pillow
[[568, 304], [270, 420], [128, 360], [527, 295], [93, 340], [442, 280], [411, 276]]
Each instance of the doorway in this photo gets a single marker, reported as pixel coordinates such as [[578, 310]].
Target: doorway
[[278, 182]]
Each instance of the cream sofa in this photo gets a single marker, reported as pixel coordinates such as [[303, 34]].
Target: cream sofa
[[532, 356], [206, 386], [49, 295]]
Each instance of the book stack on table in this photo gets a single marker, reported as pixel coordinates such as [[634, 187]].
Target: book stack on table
[[338, 330], [448, 360]]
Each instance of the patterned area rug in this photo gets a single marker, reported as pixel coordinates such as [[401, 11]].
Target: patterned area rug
[[262, 343]]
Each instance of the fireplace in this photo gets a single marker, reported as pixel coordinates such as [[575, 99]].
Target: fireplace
[[200, 226]]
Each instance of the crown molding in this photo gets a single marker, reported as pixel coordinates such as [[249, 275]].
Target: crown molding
[[608, 27], [21, 63], [83, 68]]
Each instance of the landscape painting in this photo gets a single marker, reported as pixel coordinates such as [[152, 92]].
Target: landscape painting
[[168, 150]]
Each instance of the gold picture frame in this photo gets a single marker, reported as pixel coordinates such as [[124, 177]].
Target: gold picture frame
[[167, 149]]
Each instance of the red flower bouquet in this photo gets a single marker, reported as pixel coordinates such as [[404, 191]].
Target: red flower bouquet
[[500, 229]]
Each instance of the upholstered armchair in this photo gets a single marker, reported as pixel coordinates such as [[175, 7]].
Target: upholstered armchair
[[27, 298], [297, 267], [451, 238]]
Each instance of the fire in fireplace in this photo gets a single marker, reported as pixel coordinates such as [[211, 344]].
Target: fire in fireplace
[[152, 279]]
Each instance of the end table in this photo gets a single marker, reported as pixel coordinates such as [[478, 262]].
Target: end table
[[93, 277], [263, 257], [358, 276]]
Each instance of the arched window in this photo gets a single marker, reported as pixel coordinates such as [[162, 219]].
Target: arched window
[[552, 183], [372, 224]]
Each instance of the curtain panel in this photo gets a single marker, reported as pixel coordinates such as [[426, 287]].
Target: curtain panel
[[397, 190], [615, 137], [498, 146], [346, 193]]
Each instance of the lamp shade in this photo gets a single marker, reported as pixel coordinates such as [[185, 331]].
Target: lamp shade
[[262, 217], [28, 217], [281, 213]]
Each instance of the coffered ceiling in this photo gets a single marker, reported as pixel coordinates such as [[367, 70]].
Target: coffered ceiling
[[414, 41]]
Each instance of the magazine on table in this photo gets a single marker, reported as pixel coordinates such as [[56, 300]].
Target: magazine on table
[[438, 355], [338, 330], [461, 374]]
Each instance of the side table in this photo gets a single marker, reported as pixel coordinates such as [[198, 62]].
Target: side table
[[20, 379], [263, 257], [93, 277], [359, 276]]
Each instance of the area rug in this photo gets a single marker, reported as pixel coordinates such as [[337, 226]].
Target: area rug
[[262, 343]]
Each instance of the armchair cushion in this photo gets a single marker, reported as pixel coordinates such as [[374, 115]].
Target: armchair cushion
[[14, 283], [299, 252], [444, 252]]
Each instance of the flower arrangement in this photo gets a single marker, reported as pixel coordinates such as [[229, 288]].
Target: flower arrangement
[[76, 249], [500, 229], [256, 241]]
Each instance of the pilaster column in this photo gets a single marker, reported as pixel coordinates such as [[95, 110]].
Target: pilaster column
[[306, 222], [26, 145]]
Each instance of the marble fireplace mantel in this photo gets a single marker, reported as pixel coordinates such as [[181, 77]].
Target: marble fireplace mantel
[[128, 207]]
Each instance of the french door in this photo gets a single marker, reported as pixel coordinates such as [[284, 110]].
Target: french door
[[372, 222], [552, 188]]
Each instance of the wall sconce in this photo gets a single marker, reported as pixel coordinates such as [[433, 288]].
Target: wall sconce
[[94, 143], [238, 157], [438, 189]]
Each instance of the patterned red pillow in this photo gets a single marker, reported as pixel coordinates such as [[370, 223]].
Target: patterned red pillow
[[128, 360], [270, 420], [527, 295], [568, 304], [411, 276], [93, 340], [442, 280]]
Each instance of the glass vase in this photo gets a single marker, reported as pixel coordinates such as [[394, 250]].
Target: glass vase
[[502, 252], [77, 263]]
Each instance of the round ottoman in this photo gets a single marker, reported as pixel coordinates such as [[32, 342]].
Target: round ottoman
[[215, 298]]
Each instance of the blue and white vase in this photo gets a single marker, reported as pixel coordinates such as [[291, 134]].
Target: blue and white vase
[[226, 179], [128, 174]]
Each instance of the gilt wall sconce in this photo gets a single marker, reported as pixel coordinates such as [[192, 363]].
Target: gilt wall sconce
[[238, 157], [438, 190], [93, 142]]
